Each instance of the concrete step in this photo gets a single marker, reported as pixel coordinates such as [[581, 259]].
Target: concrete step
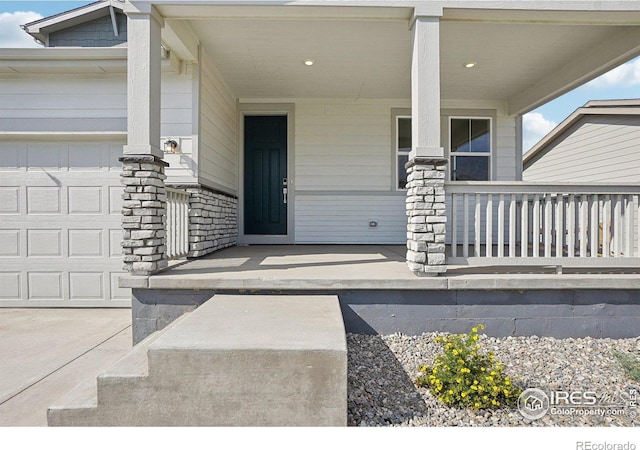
[[79, 406], [236, 360]]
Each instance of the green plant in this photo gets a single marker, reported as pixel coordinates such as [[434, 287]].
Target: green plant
[[629, 363], [463, 375]]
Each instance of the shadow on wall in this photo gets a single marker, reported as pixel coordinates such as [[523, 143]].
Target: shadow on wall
[[369, 404]]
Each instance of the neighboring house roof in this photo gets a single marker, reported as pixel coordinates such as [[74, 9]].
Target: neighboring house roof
[[41, 29], [594, 107]]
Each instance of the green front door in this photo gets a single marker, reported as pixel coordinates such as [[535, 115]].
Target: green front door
[[265, 175]]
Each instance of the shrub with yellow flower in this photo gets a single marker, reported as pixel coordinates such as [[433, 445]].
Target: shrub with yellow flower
[[459, 375]]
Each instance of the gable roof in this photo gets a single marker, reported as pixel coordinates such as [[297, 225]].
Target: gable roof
[[593, 107], [41, 28]]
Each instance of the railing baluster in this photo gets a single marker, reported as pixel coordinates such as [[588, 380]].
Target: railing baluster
[[628, 232], [548, 216], [524, 233], [512, 226], [606, 227], [454, 225], [489, 226], [476, 227], [535, 227], [617, 226], [636, 209], [583, 223], [571, 226], [559, 226], [594, 226], [501, 226], [465, 226]]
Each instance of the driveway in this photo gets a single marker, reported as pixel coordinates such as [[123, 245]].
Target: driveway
[[47, 352]]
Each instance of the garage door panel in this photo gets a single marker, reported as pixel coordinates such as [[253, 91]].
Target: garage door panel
[[85, 200], [60, 233], [43, 200], [118, 293], [115, 240], [86, 160], [10, 156], [85, 243], [86, 286], [10, 200], [45, 285], [9, 243], [47, 243], [11, 285], [45, 155]]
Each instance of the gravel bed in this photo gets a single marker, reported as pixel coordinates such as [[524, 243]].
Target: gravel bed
[[381, 370]]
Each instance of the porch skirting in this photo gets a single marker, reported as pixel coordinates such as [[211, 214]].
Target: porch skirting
[[559, 313]]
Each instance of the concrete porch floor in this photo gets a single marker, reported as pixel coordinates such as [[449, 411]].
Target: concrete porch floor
[[353, 267]]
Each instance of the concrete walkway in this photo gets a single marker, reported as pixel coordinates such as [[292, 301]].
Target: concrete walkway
[[47, 352]]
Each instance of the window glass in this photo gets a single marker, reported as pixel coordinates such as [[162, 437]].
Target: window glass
[[470, 149], [469, 168], [403, 147]]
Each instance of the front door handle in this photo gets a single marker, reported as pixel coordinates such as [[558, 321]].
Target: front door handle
[[285, 191]]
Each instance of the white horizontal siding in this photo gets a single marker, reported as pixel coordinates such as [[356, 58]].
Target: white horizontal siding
[[218, 154], [597, 149], [344, 219], [177, 123], [64, 103], [344, 144], [505, 149]]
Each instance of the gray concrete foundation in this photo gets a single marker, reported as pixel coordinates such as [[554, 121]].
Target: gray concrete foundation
[[557, 313]]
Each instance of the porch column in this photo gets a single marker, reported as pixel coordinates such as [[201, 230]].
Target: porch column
[[144, 207], [426, 211]]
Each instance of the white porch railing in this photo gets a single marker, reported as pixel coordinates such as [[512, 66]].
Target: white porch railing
[[532, 223], [177, 223]]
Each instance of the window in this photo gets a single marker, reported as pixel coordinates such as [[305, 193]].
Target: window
[[470, 140], [403, 147]]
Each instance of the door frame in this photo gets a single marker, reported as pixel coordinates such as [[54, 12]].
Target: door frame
[[268, 109]]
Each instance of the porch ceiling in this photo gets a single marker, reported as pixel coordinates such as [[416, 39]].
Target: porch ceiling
[[521, 62]]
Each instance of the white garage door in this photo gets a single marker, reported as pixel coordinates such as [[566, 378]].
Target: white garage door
[[60, 224]]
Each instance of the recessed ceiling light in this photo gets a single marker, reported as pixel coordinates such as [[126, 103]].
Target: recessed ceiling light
[[309, 62], [470, 65]]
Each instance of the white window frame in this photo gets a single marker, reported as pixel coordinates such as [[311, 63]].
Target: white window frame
[[396, 151], [488, 154]]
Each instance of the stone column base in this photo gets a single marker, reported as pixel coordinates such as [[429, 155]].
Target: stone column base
[[426, 216], [144, 214]]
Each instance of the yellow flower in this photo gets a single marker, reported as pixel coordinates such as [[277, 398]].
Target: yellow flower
[[474, 329], [464, 394], [477, 405], [455, 352], [475, 338], [450, 392]]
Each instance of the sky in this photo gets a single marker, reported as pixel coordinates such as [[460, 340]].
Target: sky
[[621, 82]]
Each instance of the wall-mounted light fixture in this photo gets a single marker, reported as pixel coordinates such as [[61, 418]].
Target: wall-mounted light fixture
[[170, 146], [470, 64]]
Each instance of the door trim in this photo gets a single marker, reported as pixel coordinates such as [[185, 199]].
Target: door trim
[[268, 109]]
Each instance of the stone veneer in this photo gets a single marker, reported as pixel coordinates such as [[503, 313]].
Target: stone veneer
[[426, 213], [143, 214], [213, 221]]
